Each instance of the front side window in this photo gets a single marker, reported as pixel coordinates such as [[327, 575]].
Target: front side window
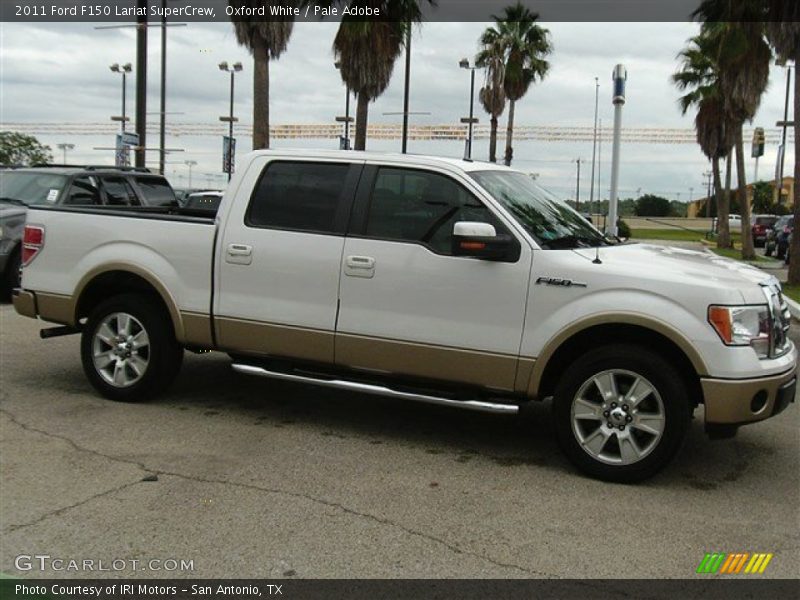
[[422, 207], [550, 221], [298, 196], [119, 192]]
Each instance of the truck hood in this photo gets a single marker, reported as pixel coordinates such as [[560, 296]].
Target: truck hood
[[703, 269]]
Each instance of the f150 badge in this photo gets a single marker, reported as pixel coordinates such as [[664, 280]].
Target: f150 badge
[[560, 282]]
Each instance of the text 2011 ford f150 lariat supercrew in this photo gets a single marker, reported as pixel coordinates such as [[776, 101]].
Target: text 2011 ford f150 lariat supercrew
[[437, 280]]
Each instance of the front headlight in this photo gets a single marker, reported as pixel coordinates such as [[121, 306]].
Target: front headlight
[[743, 326]]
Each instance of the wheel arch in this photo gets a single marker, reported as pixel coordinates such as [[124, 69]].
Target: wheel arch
[[570, 343], [117, 278]]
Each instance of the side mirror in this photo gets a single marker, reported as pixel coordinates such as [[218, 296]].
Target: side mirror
[[480, 240]]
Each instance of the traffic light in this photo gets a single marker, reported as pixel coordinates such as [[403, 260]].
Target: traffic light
[[759, 140]]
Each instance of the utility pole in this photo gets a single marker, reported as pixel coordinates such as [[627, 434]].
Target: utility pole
[[578, 187], [708, 175], [619, 76], [406, 90], [784, 124], [162, 135], [594, 139], [141, 80]]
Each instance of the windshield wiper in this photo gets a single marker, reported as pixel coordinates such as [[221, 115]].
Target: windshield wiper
[[12, 201]]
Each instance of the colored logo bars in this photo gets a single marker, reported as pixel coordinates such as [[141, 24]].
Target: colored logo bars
[[720, 563]]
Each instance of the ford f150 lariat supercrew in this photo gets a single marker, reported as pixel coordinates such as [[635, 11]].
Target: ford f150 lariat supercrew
[[436, 280]]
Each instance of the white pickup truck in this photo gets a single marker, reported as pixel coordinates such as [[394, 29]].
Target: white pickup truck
[[437, 280]]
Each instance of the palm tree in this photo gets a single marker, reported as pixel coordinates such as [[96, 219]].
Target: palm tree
[[525, 46], [699, 74], [266, 40], [783, 33], [367, 50], [492, 95], [743, 57]]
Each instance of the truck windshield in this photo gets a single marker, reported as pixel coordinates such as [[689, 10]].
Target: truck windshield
[[551, 222], [26, 187]]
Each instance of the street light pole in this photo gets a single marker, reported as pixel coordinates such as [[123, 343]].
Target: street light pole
[[122, 70], [594, 138], [346, 119], [232, 69], [190, 164], [404, 145], [464, 64], [64, 147]]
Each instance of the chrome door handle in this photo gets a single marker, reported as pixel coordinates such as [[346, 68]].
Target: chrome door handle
[[360, 262], [359, 266], [240, 250]]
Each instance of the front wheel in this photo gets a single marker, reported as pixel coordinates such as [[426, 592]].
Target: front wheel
[[621, 413], [128, 349]]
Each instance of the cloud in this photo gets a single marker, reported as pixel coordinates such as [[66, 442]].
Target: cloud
[[59, 73]]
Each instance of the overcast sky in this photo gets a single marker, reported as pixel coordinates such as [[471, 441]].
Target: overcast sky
[[59, 73]]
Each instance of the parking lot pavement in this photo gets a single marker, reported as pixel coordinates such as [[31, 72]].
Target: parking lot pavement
[[252, 478]]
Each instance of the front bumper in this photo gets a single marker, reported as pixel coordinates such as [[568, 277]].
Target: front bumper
[[742, 401]]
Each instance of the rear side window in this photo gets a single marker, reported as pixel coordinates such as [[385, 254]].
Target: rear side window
[[298, 196], [83, 191], [119, 192], [156, 191]]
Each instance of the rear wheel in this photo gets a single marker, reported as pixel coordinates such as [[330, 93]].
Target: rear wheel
[[128, 349], [621, 413]]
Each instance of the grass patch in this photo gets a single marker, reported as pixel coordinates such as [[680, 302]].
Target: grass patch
[[736, 254], [675, 235], [791, 291]]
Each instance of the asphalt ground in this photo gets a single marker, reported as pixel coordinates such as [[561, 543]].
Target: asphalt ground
[[247, 477]]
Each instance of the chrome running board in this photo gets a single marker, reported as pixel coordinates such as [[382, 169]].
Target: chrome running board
[[367, 388]]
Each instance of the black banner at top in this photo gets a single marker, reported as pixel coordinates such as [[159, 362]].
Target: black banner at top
[[115, 11]]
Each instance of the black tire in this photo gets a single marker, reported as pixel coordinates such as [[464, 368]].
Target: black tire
[[162, 353], [674, 402], [11, 278]]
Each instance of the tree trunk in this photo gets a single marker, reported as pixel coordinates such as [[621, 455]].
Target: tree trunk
[[362, 109], [748, 250], [794, 250], [510, 133], [723, 230], [727, 194], [260, 101], [493, 140]]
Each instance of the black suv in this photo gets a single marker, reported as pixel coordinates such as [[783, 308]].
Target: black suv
[[70, 186]]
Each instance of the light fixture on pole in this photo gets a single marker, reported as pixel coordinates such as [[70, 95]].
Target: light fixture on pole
[[122, 70], [190, 164], [344, 144], [64, 147], [471, 120], [228, 150]]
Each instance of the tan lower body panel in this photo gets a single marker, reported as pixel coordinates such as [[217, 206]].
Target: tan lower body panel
[[728, 401], [254, 337], [25, 304], [197, 329], [495, 371], [56, 308]]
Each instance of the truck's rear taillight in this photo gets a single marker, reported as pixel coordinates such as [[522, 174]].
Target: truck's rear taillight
[[32, 243]]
